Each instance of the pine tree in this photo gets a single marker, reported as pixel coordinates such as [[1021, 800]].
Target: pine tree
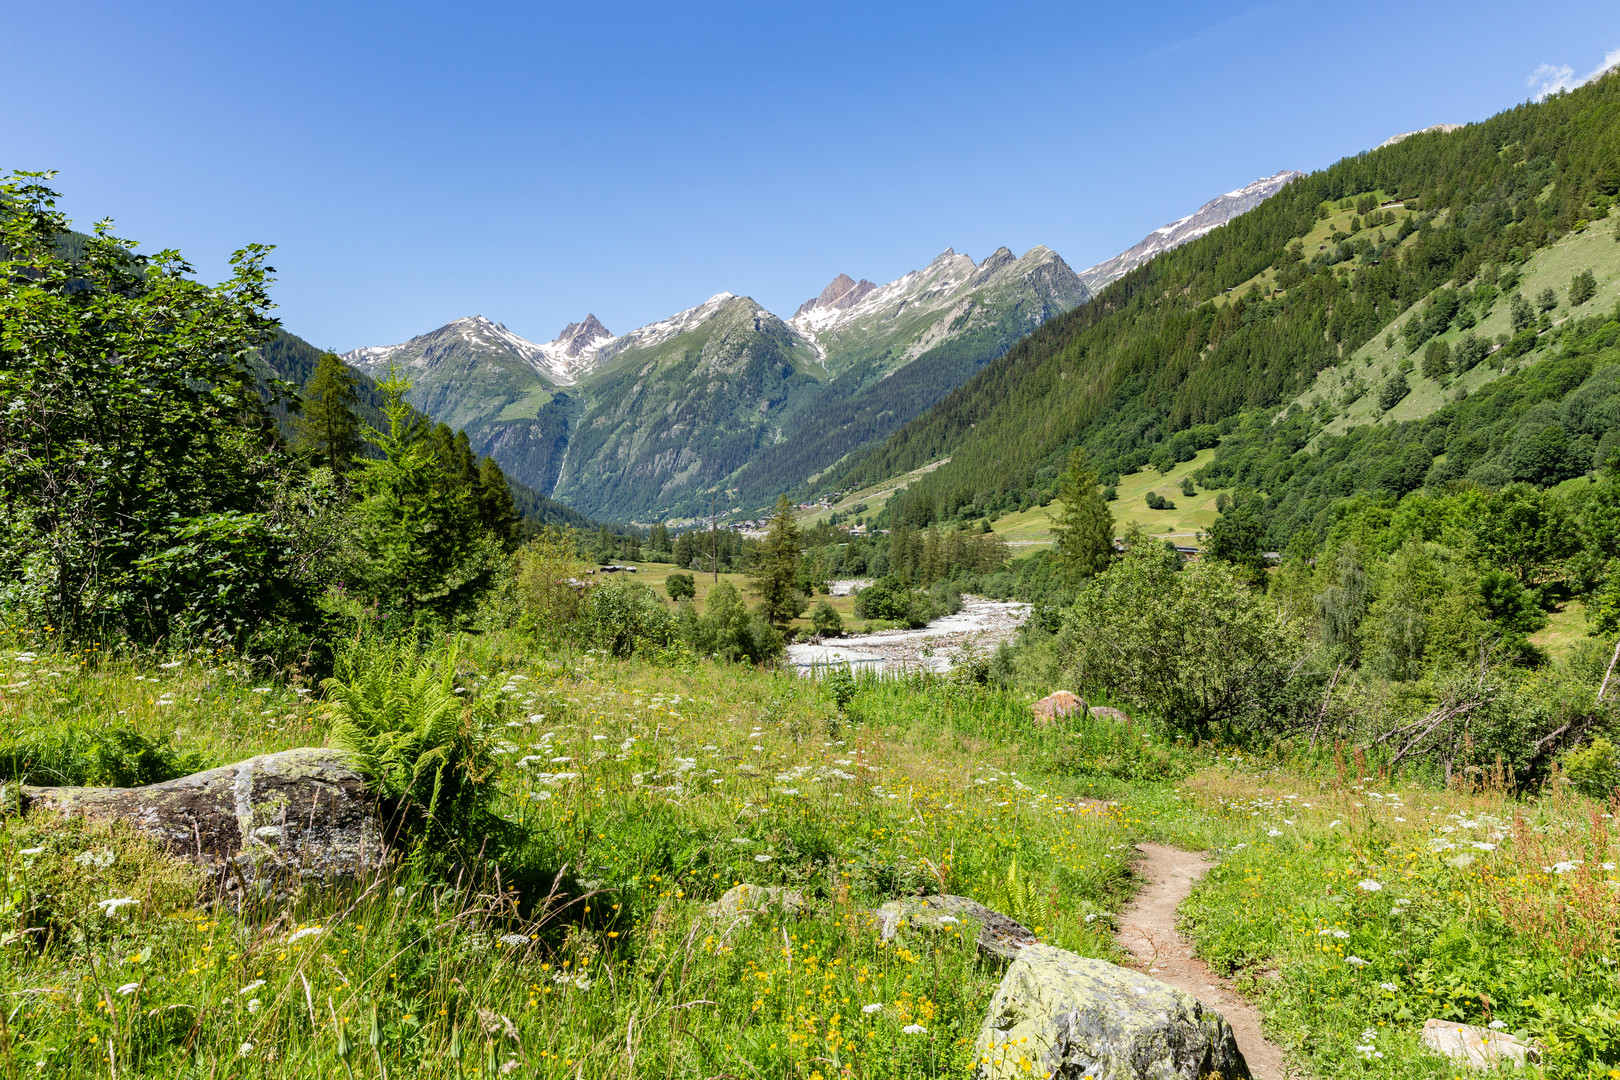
[[496, 507], [329, 429], [775, 575], [1083, 527]]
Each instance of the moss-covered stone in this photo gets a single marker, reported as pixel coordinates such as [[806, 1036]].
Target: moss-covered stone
[[272, 820], [1061, 1015]]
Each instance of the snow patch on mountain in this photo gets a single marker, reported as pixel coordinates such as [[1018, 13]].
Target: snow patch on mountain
[[1212, 215], [1393, 139], [563, 361]]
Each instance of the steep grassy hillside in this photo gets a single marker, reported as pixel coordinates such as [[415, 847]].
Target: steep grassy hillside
[[1159, 362]]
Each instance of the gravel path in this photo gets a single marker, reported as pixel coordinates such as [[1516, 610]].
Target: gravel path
[[1147, 930]]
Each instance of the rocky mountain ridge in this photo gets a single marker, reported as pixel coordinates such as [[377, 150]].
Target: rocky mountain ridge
[[1212, 215]]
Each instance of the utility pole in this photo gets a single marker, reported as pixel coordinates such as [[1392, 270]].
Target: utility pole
[[714, 535]]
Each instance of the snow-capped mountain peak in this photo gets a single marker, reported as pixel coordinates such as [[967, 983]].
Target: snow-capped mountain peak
[[562, 362]]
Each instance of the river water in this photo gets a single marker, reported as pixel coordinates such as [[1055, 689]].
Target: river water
[[978, 628]]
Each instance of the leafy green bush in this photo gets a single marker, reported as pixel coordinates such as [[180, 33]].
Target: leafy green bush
[[727, 629], [680, 586], [826, 621], [623, 617], [1594, 769], [423, 743]]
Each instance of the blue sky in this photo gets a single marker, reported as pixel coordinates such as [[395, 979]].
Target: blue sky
[[531, 162]]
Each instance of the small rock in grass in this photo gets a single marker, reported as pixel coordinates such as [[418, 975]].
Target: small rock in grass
[[1052, 706], [1480, 1047], [996, 934], [746, 901], [1059, 1014], [1103, 712]]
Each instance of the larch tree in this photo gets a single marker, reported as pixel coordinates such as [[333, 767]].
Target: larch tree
[[328, 429], [1083, 526]]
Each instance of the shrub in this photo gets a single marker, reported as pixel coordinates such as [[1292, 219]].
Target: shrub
[[420, 744], [826, 620], [1594, 769], [1195, 644], [889, 599], [623, 617], [680, 586], [551, 584], [1392, 392], [728, 630], [1582, 288], [1155, 501]]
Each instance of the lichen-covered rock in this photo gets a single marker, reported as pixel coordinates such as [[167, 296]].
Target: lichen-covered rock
[[996, 934], [1070, 1017], [746, 901], [1478, 1047], [1052, 706], [1103, 712], [275, 819]]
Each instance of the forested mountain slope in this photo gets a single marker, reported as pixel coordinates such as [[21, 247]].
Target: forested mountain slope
[[1163, 355]]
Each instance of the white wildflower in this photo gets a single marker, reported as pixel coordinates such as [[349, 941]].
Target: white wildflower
[[1481, 845], [514, 940], [254, 1005], [108, 907], [170, 666], [1273, 832], [1368, 885], [299, 935], [1391, 987], [250, 987], [914, 1029], [1356, 961], [1498, 1025], [872, 1008], [762, 857], [129, 988], [244, 1050], [31, 850]]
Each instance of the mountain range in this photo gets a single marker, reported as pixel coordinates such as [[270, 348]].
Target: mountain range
[[725, 405]]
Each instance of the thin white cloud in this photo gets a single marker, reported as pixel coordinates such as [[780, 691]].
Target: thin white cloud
[[1215, 32], [1548, 79]]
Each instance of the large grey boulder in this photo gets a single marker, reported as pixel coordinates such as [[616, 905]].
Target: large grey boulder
[[996, 934], [1070, 1017], [271, 821]]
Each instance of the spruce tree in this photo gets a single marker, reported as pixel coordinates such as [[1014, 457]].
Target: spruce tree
[[496, 507], [1083, 527], [774, 577], [328, 430]]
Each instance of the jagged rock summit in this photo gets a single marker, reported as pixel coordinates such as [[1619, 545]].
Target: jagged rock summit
[[1212, 215], [841, 293], [562, 362]]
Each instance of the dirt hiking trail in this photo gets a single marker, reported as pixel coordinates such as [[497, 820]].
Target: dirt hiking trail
[[1147, 930]]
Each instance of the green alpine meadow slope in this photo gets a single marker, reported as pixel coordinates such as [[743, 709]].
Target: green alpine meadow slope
[[1168, 359]]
